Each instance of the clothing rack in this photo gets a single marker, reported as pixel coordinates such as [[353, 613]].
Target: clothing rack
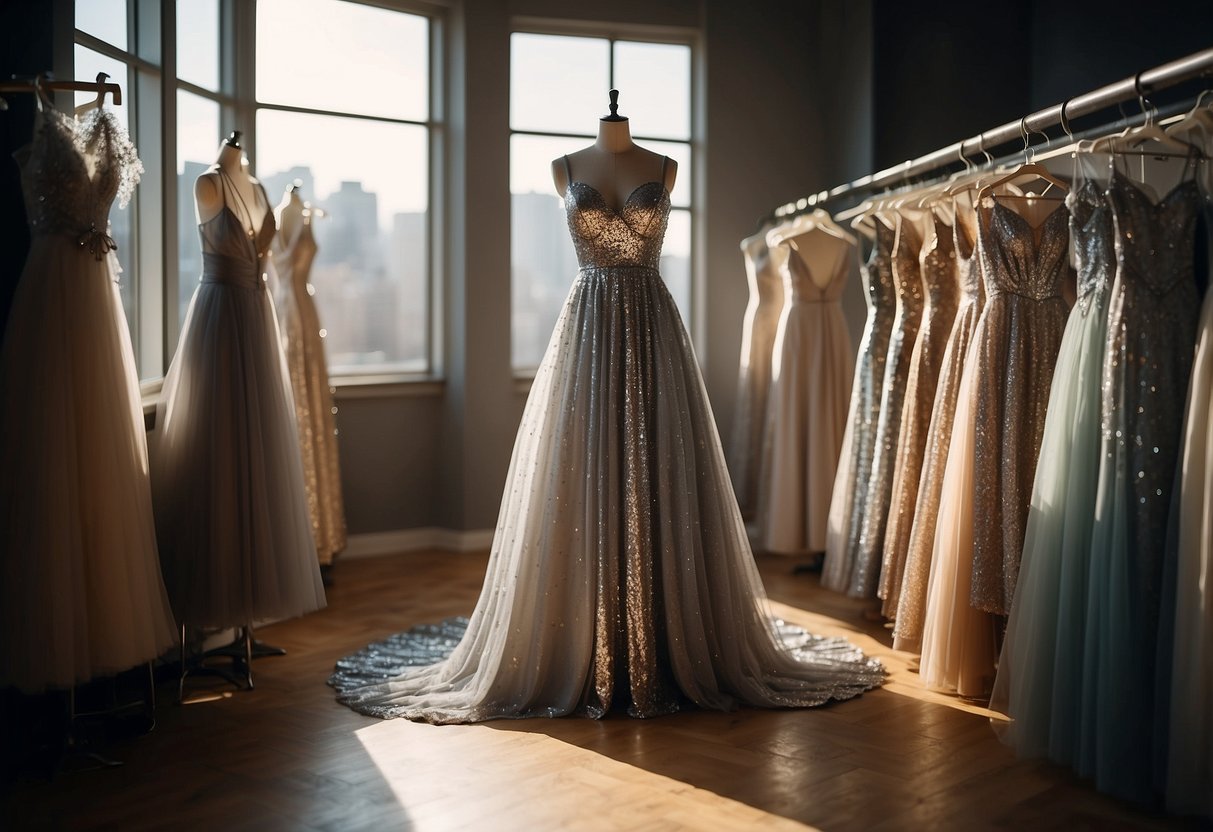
[[28, 85], [1196, 65]]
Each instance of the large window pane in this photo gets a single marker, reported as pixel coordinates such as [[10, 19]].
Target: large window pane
[[105, 19], [676, 261], [370, 179], [654, 83], [543, 262], [558, 84], [334, 55], [198, 42], [198, 134]]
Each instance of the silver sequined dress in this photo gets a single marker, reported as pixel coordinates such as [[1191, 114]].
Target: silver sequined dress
[[855, 462], [1152, 318], [907, 279], [620, 573]]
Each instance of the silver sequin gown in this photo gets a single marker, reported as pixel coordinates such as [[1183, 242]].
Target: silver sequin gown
[[855, 461], [907, 279], [1152, 318], [620, 573]]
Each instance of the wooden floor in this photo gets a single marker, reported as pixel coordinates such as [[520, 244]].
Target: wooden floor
[[286, 756]]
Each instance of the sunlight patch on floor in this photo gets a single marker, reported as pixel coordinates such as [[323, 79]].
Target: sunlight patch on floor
[[471, 776]]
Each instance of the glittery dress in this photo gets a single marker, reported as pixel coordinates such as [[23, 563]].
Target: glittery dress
[[1152, 319], [937, 264], [227, 476], [1016, 350], [911, 606], [303, 345], [758, 331], [1000, 408], [907, 279], [1188, 641], [620, 574], [855, 460], [80, 587], [807, 407], [1040, 670]]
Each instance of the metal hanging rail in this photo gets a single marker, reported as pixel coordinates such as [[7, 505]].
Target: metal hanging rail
[[1162, 77]]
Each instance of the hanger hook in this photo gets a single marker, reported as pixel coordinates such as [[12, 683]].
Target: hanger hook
[[1065, 120], [1147, 109], [981, 148], [1027, 144], [964, 160]]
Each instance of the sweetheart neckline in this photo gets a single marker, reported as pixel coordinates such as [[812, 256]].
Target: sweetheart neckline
[[623, 206]]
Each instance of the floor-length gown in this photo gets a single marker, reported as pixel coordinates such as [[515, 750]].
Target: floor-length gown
[[1001, 407], [1152, 319], [303, 346], [806, 409], [1189, 766], [1039, 672], [227, 476], [759, 327], [80, 588], [937, 264], [855, 459], [620, 572], [911, 606], [1024, 319], [907, 279]]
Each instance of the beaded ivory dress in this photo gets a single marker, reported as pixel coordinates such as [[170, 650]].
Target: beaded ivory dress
[[807, 407], [937, 264], [303, 346], [620, 572], [80, 587], [855, 460], [758, 332], [231, 509], [911, 606]]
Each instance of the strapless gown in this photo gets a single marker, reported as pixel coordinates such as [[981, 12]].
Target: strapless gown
[[620, 574]]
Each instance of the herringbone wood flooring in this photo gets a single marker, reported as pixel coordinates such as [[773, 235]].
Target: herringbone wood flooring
[[286, 756]]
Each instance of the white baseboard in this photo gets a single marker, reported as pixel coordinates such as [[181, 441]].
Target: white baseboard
[[375, 544]]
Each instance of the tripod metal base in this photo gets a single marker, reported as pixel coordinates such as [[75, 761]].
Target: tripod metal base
[[242, 650]]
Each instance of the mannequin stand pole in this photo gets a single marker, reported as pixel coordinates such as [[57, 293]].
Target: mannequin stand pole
[[241, 650], [76, 756]]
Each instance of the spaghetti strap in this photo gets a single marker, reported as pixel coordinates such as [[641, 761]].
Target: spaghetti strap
[[568, 172], [665, 160]]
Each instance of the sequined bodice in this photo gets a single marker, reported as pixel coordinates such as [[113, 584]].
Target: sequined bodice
[[907, 278], [968, 267], [937, 262], [1019, 259], [628, 238], [71, 173], [1154, 242], [877, 273], [1091, 233], [229, 254]]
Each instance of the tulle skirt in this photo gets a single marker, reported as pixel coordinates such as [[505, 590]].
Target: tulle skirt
[[1039, 674], [620, 572], [231, 510], [80, 588]]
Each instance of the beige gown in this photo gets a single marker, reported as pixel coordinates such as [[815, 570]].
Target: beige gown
[[303, 346]]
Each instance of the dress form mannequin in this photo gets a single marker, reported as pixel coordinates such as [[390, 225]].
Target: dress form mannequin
[[290, 211], [614, 165], [208, 190]]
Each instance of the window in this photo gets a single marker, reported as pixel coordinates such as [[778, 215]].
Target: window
[[344, 109], [102, 39], [363, 152], [654, 80]]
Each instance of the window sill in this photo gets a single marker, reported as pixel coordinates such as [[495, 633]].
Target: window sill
[[346, 388]]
